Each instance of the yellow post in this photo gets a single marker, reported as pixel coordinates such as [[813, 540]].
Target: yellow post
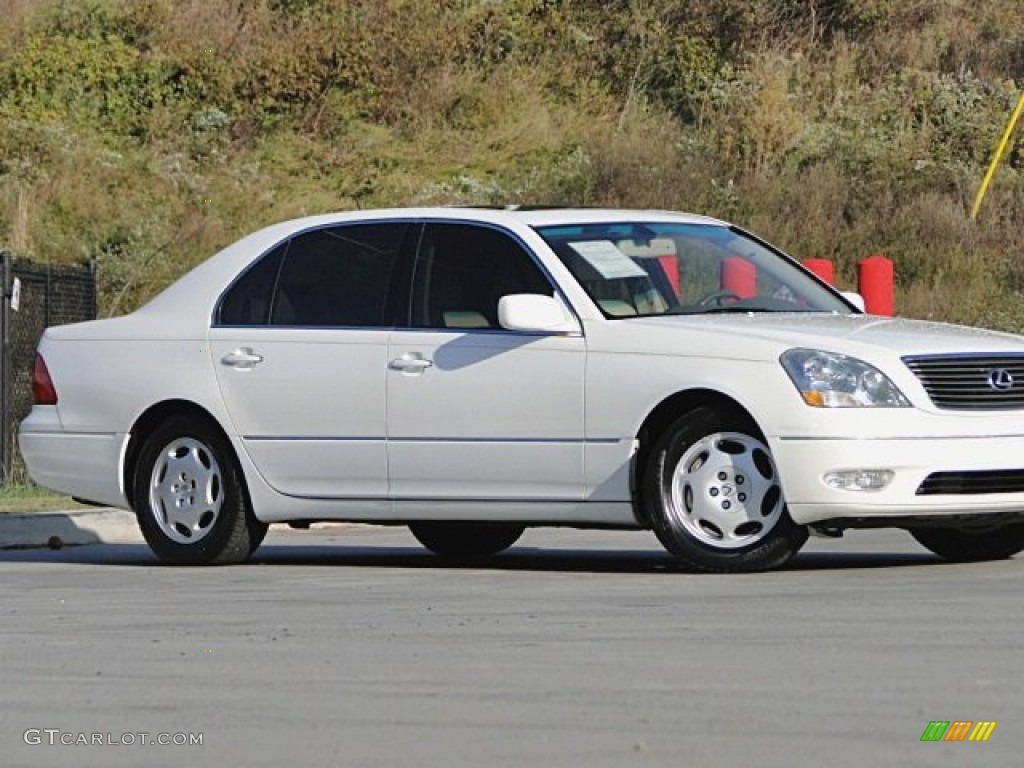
[[997, 156]]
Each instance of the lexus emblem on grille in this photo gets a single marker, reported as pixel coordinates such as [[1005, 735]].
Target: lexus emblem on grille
[[1001, 379]]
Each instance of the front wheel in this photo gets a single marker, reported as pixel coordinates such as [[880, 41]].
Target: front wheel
[[714, 496], [962, 545], [189, 496], [466, 539]]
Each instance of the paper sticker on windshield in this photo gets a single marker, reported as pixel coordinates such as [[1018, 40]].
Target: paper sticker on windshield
[[607, 259]]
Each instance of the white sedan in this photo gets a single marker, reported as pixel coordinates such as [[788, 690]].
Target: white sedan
[[470, 372]]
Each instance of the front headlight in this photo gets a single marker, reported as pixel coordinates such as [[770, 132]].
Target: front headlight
[[829, 380]]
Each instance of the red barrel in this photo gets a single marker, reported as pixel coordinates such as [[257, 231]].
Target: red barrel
[[875, 284], [670, 266], [822, 268], [739, 276]]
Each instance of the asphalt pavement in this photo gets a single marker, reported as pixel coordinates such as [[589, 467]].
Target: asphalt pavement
[[355, 647]]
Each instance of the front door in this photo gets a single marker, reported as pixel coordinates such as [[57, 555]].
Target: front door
[[476, 411]]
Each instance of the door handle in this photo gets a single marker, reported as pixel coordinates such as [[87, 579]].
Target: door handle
[[409, 363], [242, 357]]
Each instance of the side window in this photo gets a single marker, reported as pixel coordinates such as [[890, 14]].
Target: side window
[[339, 276], [462, 271], [247, 302]]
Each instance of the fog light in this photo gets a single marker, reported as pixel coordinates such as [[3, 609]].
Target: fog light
[[859, 479]]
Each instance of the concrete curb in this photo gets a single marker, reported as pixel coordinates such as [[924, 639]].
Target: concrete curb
[[103, 525], [72, 528]]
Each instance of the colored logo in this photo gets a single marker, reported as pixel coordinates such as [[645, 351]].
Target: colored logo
[[958, 730]]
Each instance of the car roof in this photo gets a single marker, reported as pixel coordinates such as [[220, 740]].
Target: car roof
[[539, 216], [532, 216]]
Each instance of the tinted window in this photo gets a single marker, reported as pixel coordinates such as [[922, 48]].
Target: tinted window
[[247, 302], [340, 276], [461, 273]]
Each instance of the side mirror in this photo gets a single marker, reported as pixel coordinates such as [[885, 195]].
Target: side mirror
[[854, 298], [534, 313]]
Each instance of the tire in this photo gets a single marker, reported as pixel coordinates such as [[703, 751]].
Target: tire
[[466, 539], [190, 498], [712, 493], [962, 545]]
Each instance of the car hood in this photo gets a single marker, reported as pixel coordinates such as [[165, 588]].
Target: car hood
[[765, 335]]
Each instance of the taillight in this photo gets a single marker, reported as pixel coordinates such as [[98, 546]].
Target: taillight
[[43, 391]]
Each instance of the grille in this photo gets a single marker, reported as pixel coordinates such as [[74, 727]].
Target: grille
[[983, 481], [965, 382]]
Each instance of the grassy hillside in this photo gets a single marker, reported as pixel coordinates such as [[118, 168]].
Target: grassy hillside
[[148, 133]]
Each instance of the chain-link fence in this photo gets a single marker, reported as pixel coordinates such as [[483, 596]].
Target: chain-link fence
[[34, 297]]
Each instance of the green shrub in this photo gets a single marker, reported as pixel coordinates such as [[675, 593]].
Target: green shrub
[[148, 133]]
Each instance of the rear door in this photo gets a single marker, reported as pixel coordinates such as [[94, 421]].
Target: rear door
[[300, 349]]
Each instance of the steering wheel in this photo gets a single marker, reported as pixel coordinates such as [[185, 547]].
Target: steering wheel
[[720, 298]]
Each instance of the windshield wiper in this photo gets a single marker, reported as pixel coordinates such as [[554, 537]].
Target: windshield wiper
[[733, 309]]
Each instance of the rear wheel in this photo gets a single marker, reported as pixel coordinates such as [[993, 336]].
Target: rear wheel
[[714, 496], [466, 539], [189, 496], [962, 545]]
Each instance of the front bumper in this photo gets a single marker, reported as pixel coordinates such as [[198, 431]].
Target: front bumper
[[803, 463]]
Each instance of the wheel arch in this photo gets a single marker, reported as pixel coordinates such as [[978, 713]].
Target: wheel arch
[[149, 420], [660, 418]]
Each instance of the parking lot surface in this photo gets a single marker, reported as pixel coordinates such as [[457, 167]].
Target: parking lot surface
[[355, 647]]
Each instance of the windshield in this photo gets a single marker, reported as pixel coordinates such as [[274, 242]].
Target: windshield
[[635, 269]]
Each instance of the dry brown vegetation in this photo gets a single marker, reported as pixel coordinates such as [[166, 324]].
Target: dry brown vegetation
[[148, 133]]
